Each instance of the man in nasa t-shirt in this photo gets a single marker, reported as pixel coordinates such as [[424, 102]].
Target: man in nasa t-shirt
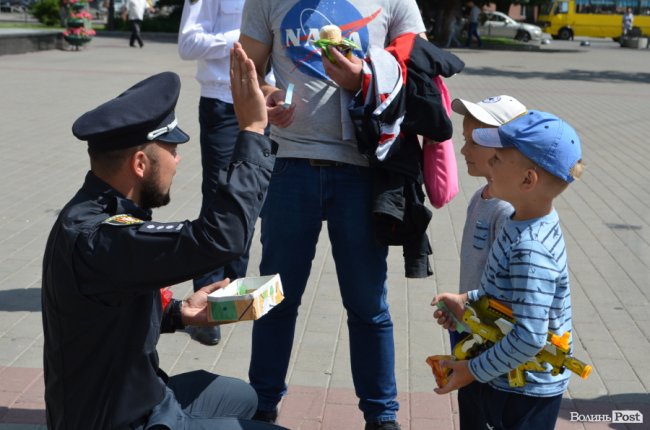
[[320, 175]]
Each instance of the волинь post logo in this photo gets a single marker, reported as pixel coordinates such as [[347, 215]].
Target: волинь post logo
[[616, 417]]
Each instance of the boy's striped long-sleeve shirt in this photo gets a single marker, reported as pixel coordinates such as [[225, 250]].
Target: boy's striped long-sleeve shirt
[[527, 271]]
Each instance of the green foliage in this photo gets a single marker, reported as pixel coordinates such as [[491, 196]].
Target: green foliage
[[47, 12], [158, 24]]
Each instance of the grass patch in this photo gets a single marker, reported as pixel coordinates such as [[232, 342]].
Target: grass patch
[[28, 25], [501, 41], [504, 41]]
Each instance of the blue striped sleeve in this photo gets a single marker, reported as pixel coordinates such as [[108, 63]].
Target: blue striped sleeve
[[533, 276]]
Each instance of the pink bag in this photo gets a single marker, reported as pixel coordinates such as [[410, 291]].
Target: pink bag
[[440, 169]]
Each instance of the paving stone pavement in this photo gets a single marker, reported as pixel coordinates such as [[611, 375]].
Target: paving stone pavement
[[603, 90]]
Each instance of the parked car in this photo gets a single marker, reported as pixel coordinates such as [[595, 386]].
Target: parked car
[[498, 24], [16, 6]]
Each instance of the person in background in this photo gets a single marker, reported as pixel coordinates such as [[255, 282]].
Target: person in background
[[135, 14], [208, 30], [321, 175], [628, 21], [455, 27], [473, 22]]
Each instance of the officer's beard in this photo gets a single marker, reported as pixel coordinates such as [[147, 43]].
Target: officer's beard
[[151, 195]]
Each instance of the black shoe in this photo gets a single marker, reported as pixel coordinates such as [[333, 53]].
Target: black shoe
[[383, 425], [266, 416], [205, 335]]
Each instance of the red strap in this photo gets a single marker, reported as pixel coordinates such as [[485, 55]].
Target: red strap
[[165, 297]]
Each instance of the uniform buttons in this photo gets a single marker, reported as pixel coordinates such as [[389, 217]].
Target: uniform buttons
[[267, 153]]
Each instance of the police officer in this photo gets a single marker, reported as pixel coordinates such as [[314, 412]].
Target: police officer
[[106, 261]]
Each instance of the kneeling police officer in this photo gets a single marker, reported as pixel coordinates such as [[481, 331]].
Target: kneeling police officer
[[106, 262]]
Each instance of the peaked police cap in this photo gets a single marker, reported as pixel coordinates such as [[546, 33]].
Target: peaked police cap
[[143, 113]]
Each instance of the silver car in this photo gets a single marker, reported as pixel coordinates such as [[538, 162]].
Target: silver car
[[498, 24]]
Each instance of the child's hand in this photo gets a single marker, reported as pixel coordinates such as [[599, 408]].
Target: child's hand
[[460, 376], [455, 303]]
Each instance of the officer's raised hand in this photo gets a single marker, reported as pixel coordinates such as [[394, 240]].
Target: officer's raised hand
[[248, 99], [195, 308]]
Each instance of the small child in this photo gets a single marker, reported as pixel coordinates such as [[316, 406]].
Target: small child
[[485, 214], [537, 156]]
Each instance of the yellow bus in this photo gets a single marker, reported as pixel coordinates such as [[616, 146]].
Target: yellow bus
[[564, 19]]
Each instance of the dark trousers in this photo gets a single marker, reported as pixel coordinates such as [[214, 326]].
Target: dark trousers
[[481, 406], [201, 400], [135, 32], [473, 31], [219, 130]]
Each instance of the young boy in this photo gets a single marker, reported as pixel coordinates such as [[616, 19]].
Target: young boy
[[485, 214], [536, 157]]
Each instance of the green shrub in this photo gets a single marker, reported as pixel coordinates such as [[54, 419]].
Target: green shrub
[[47, 12], [161, 25], [157, 24]]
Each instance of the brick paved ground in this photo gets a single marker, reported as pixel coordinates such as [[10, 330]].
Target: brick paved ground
[[602, 90]]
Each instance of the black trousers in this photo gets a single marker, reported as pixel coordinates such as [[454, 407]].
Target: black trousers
[[480, 407], [201, 400], [135, 32], [219, 130]]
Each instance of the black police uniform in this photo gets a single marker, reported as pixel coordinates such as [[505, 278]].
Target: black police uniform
[[105, 263]]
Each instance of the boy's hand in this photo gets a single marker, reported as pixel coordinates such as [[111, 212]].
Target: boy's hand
[[455, 303], [460, 376], [346, 72]]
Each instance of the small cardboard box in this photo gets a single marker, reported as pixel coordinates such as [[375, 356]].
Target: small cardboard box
[[245, 299]]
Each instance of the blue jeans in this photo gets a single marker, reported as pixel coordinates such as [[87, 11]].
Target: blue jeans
[[299, 199], [219, 129], [473, 31]]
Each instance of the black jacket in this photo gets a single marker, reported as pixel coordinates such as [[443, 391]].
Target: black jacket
[[416, 108], [102, 276]]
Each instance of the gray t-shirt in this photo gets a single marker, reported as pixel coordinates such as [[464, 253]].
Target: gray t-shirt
[[290, 26], [485, 217]]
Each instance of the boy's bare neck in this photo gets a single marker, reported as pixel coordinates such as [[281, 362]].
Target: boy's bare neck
[[485, 194], [525, 210]]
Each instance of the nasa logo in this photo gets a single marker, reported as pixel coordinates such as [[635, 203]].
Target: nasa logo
[[301, 26]]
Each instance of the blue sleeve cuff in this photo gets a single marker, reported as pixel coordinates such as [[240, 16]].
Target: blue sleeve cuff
[[473, 295]]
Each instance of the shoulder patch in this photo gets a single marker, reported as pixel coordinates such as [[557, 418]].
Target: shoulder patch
[[160, 227], [122, 219]]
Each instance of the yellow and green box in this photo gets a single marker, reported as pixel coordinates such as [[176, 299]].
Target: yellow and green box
[[245, 299]]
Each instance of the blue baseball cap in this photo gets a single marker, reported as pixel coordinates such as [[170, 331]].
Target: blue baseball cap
[[542, 137]]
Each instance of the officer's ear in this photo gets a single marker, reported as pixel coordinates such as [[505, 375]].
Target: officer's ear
[[142, 160], [138, 163]]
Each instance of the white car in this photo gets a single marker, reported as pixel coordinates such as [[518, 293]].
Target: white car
[[498, 24]]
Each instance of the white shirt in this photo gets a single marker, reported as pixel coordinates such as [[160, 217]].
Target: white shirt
[[208, 30], [136, 9]]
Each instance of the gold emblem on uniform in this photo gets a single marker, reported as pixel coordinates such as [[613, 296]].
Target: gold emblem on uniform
[[122, 219]]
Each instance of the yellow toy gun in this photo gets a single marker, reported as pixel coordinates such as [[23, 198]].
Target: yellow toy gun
[[488, 321]]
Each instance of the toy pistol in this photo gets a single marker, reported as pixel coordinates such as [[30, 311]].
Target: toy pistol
[[488, 321]]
